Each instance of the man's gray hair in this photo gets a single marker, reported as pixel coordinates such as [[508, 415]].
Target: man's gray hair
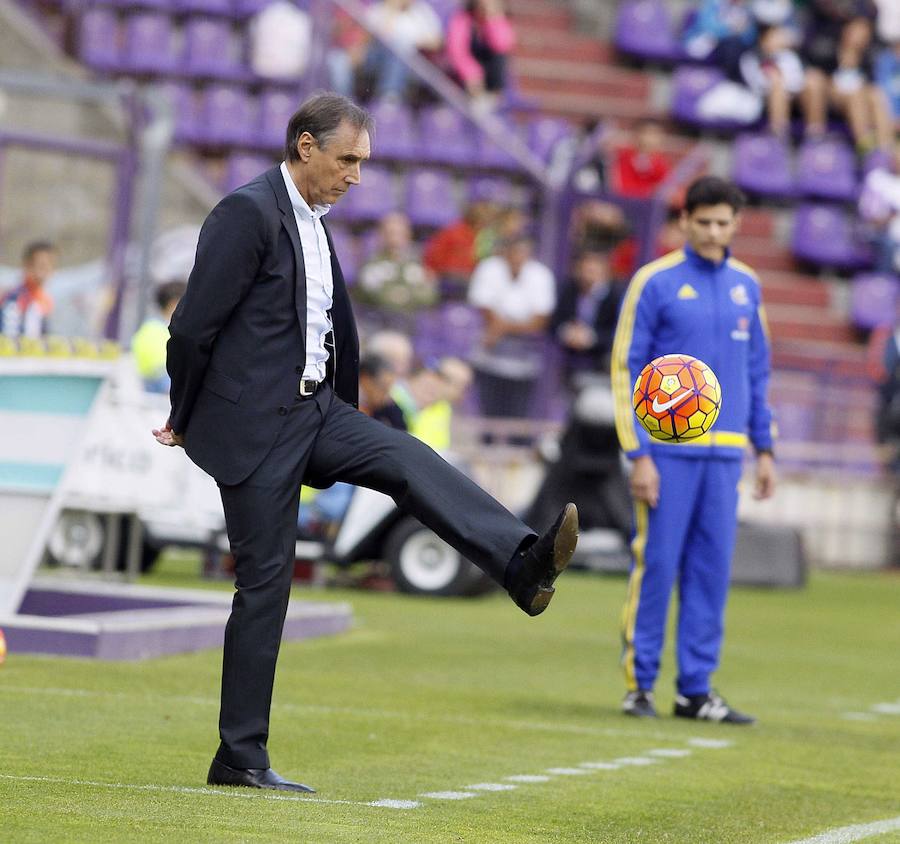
[[320, 115]]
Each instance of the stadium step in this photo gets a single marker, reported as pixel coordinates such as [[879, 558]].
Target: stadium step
[[790, 288]]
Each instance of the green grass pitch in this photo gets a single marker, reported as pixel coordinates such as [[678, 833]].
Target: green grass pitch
[[428, 696]]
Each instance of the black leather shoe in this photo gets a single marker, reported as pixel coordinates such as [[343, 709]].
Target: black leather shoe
[[544, 561], [221, 774]]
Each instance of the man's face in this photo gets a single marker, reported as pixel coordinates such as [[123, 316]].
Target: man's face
[[332, 169], [592, 269], [710, 229], [41, 266]]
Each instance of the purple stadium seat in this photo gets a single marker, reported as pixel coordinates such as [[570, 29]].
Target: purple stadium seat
[[544, 133], [430, 198], [826, 169], [149, 43], [242, 169], [491, 189], [396, 130], [162, 5], [98, 40], [371, 199], [276, 107], [210, 49], [878, 159], [644, 29], [690, 83], [245, 8], [762, 165], [874, 298], [209, 7], [187, 112], [227, 116], [824, 235], [446, 136], [463, 329], [347, 250]]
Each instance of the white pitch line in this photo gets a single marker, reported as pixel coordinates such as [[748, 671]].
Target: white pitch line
[[528, 778], [567, 772], [859, 716], [710, 743], [600, 766], [489, 786], [637, 761], [448, 795], [886, 708], [848, 834], [256, 794], [669, 752]]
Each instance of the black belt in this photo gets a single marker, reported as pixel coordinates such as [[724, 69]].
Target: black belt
[[306, 387]]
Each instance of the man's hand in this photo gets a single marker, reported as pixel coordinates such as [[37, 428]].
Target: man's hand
[[166, 436], [645, 480], [766, 477]]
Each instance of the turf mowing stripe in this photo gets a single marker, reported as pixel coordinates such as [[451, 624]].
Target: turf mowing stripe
[[535, 726], [857, 832], [260, 794]]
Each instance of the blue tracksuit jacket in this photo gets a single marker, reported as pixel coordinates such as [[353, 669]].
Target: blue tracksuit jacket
[[684, 303]]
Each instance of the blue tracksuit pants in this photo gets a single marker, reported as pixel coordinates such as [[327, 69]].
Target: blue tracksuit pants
[[689, 539]]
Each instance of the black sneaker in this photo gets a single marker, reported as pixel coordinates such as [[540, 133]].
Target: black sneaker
[[639, 704], [711, 707]]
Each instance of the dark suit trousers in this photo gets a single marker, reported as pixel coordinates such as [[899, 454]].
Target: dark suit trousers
[[334, 442]]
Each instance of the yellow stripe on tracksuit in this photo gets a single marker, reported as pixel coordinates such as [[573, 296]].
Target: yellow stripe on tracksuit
[[621, 376], [630, 611]]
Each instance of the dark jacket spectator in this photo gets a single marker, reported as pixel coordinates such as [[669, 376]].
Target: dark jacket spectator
[[584, 321]]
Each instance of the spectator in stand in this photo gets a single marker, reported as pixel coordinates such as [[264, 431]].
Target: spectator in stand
[[640, 167], [393, 281], [887, 65], [376, 381], [452, 253], [879, 206], [719, 31], [584, 321], [148, 346], [516, 295], [25, 310], [774, 71], [403, 27], [479, 37], [840, 55], [347, 53], [280, 39], [427, 398]]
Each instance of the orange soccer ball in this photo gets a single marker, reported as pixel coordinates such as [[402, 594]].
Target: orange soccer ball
[[677, 398]]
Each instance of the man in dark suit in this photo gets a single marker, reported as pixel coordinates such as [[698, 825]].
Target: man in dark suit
[[584, 321], [264, 361]]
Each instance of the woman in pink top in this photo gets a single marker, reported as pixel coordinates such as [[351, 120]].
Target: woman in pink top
[[478, 38]]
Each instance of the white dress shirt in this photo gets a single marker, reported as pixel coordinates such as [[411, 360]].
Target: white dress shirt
[[319, 281]]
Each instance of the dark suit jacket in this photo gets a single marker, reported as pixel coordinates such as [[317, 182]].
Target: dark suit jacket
[[237, 339], [604, 325]]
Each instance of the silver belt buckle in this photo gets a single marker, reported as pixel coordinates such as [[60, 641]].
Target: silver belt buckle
[[302, 391]]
